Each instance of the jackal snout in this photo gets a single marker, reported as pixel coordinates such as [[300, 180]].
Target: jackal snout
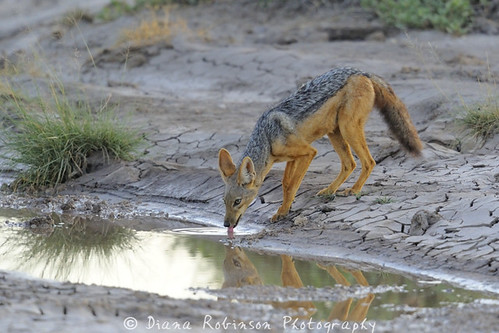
[[230, 221]]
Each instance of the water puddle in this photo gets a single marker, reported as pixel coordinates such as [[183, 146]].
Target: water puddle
[[95, 251]]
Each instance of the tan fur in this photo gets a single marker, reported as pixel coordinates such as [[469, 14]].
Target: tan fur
[[342, 118], [358, 101]]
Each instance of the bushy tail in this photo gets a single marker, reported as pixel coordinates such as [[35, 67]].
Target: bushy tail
[[396, 116]]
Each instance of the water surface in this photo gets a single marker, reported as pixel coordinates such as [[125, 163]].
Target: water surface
[[94, 251]]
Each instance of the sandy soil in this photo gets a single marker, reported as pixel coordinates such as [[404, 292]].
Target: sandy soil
[[203, 87]]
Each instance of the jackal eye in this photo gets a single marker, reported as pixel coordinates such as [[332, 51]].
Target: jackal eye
[[237, 202]]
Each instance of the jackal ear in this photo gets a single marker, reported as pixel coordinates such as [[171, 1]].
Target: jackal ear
[[247, 173], [225, 164]]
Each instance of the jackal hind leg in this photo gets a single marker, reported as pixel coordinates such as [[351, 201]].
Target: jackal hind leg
[[356, 139], [301, 155], [351, 121], [342, 148]]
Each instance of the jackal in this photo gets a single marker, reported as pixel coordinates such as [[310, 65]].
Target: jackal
[[336, 104]]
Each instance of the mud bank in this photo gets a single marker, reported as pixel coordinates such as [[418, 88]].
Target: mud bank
[[204, 88], [79, 308]]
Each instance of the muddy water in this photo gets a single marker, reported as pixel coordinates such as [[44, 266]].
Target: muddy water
[[94, 251]]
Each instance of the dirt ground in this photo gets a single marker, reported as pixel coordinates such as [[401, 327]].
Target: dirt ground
[[203, 87]]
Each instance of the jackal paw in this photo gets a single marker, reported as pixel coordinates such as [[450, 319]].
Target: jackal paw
[[325, 192], [346, 192], [281, 212], [277, 216]]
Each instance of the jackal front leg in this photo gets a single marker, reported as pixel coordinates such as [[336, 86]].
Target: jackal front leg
[[293, 176]]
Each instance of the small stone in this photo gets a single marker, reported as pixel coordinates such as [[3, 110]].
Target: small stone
[[421, 221], [300, 221]]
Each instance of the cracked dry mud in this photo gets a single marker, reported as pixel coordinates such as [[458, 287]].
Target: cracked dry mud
[[205, 88]]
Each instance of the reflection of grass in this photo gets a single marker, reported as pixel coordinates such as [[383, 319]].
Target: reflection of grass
[[71, 244], [52, 137]]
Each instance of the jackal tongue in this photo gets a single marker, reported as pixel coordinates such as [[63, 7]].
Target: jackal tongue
[[230, 231]]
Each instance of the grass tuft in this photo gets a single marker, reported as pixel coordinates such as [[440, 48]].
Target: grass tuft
[[117, 8], [383, 200], [482, 119], [74, 17], [152, 30], [51, 138]]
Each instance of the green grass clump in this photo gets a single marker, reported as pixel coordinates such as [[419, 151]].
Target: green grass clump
[[482, 119], [452, 16], [117, 8], [73, 17], [159, 3], [383, 200], [51, 138]]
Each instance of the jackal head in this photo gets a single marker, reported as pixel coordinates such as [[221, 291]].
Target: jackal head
[[240, 188], [238, 269]]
